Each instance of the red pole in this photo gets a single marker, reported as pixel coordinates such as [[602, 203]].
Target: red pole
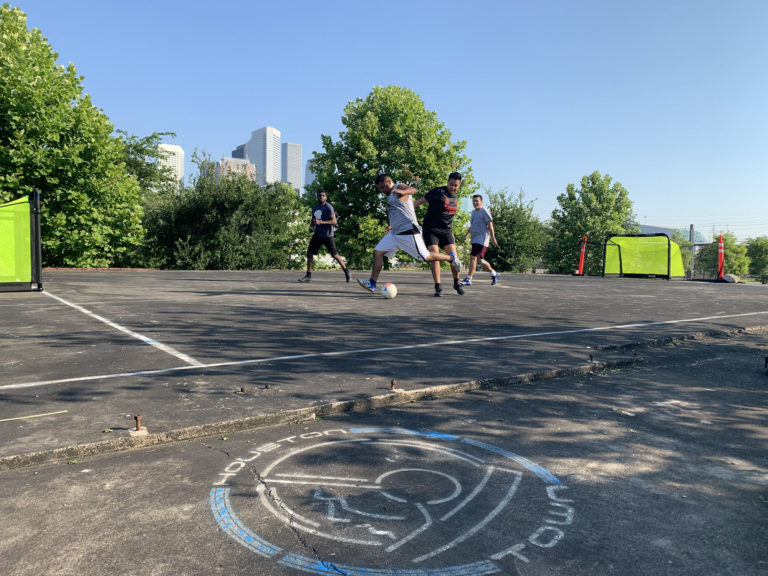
[[720, 258], [581, 256]]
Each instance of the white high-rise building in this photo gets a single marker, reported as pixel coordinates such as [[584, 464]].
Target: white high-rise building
[[290, 169], [263, 149], [172, 156]]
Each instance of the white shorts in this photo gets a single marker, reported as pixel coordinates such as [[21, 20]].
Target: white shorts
[[413, 244]]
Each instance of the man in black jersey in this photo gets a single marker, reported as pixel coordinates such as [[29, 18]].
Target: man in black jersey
[[442, 203]]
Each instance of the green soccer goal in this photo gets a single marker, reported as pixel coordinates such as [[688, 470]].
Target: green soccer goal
[[642, 255], [20, 252]]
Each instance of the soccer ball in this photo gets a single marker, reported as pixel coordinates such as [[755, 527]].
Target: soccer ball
[[389, 290]]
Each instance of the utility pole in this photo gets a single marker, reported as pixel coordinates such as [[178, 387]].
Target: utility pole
[[693, 250]]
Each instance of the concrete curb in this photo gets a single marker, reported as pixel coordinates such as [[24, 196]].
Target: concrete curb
[[278, 418], [395, 398]]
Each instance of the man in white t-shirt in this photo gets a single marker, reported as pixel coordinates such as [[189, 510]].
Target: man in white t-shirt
[[480, 232]]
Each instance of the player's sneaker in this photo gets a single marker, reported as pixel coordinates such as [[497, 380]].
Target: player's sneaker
[[495, 279], [466, 282], [306, 279], [346, 273], [458, 288], [455, 264], [438, 291], [369, 285]]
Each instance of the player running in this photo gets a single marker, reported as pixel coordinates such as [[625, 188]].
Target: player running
[[403, 232], [480, 232], [323, 221]]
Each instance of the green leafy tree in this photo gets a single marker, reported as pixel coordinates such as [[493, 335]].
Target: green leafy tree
[[227, 223], [757, 251], [520, 234], [141, 156], [389, 131], [598, 208], [735, 260], [53, 139]]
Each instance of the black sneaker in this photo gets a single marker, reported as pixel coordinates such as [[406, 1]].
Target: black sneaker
[[346, 273], [305, 279], [458, 288], [438, 291]]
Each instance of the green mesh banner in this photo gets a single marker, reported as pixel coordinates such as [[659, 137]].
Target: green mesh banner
[[15, 242], [643, 256]]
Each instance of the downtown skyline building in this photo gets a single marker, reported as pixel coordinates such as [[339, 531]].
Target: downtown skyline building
[[172, 156], [275, 161], [263, 150], [290, 165], [229, 167]]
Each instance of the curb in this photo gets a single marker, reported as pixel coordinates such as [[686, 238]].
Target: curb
[[278, 418], [394, 398]]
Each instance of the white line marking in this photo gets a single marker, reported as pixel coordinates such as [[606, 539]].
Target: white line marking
[[370, 350], [131, 333], [316, 477], [477, 527], [34, 416]]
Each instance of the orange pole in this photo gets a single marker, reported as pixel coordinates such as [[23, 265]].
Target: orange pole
[[581, 256], [720, 258]]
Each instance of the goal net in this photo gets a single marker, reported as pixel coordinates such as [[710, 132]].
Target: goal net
[[20, 252], [643, 255]]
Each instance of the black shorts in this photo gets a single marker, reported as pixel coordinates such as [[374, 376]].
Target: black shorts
[[318, 242], [441, 238]]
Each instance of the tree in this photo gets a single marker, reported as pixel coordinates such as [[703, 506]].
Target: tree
[[520, 234], [757, 251], [54, 140], [226, 224], [595, 210], [388, 131], [141, 157], [735, 260]]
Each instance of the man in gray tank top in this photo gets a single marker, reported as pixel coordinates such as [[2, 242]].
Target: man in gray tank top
[[403, 232]]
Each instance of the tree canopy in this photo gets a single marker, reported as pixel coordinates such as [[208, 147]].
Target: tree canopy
[[519, 233], [735, 260], [757, 251], [53, 139], [389, 131], [598, 208], [229, 223]]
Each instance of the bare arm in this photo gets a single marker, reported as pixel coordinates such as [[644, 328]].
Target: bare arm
[[404, 190], [493, 234]]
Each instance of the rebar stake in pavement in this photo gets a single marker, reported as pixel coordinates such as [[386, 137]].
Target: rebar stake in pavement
[[393, 384], [138, 421]]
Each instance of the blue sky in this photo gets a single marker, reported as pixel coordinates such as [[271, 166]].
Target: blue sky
[[669, 97]]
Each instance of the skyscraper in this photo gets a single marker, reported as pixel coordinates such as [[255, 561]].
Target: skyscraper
[[172, 156], [290, 169], [263, 149]]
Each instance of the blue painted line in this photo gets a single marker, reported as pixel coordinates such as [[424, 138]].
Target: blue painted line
[[233, 526], [313, 566], [405, 431], [542, 473]]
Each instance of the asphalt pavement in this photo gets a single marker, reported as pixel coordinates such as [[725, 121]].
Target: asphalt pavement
[[548, 425]]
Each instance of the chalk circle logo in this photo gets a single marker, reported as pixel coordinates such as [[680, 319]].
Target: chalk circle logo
[[389, 502]]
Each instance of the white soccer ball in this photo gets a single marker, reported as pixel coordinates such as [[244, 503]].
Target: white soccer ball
[[389, 290]]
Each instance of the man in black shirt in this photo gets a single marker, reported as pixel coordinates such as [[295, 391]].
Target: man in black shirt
[[442, 203]]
